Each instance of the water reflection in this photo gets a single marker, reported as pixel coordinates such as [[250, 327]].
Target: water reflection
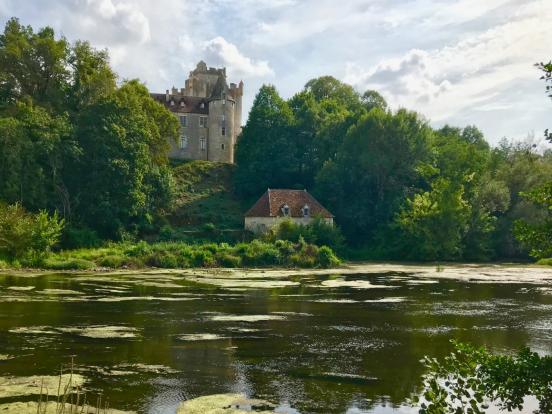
[[308, 344]]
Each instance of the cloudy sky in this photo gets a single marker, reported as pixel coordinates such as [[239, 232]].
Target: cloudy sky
[[455, 61]]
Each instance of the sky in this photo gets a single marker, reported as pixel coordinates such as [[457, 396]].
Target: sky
[[461, 62]]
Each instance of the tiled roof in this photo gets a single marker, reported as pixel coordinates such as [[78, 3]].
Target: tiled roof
[[191, 103], [271, 202]]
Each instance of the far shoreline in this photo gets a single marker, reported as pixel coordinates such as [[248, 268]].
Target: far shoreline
[[477, 272]]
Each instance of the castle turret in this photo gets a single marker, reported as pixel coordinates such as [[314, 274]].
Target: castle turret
[[209, 112]]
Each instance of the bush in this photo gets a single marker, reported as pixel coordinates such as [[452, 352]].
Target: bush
[[27, 236], [545, 262], [68, 264], [76, 237], [162, 259], [327, 258], [228, 260], [113, 261], [316, 232]]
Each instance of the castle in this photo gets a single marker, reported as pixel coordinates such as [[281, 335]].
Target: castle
[[209, 112]]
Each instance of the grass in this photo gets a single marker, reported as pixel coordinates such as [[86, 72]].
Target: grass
[[545, 262], [173, 255], [205, 195]]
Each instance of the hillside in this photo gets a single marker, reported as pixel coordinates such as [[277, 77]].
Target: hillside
[[204, 195]]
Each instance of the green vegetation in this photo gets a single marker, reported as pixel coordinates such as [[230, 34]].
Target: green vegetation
[[399, 189], [204, 195], [172, 255], [80, 149], [316, 232], [27, 237], [470, 378]]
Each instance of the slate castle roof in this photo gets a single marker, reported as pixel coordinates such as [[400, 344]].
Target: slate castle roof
[[271, 202]]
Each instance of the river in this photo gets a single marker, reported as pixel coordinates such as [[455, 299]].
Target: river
[[343, 341]]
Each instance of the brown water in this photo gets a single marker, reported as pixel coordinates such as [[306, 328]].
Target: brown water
[[308, 343]]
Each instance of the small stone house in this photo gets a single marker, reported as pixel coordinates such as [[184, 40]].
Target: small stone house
[[275, 206]]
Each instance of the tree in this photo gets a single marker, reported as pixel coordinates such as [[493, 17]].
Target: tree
[[470, 378], [547, 77], [27, 236], [265, 154], [374, 170], [372, 99], [537, 235], [122, 177]]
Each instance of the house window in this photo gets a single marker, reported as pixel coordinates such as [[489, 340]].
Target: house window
[[202, 144], [203, 122], [183, 120], [223, 131], [306, 211], [183, 142], [285, 210]]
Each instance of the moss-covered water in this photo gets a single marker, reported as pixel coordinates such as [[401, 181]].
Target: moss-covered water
[[301, 342]]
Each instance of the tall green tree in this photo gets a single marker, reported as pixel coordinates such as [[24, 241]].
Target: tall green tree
[[265, 153], [375, 168]]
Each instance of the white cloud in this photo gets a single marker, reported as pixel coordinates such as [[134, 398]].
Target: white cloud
[[471, 73], [219, 51], [124, 20]]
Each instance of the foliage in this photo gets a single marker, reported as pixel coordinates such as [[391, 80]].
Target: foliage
[[538, 236], [27, 236], [470, 378], [367, 182], [182, 255], [547, 77], [72, 141], [316, 232]]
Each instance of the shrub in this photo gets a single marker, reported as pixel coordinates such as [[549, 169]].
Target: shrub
[[68, 264], [76, 237], [27, 236], [113, 261], [327, 258], [317, 232], [228, 260], [203, 258], [162, 259], [545, 262]]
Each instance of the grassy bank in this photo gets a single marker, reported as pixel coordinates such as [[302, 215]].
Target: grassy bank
[[172, 255]]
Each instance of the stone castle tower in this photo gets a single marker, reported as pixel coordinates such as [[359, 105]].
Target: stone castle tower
[[210, 115]]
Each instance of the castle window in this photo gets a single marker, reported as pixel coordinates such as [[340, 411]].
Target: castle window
[[183, 141], [222, 146], [202, 144], [306, 210], [223, 117], [203, 122], [182, 120], [285, 210], [223, 131]]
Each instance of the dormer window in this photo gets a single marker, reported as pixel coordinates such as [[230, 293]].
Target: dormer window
[[202, 105], [285, 210], [306, 211], [182, 104], [172, 103]]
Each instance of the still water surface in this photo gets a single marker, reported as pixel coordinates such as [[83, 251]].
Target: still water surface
[[307, 343]]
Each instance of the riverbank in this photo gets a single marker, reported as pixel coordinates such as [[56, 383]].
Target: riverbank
[[179, 255], [479, 273]]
